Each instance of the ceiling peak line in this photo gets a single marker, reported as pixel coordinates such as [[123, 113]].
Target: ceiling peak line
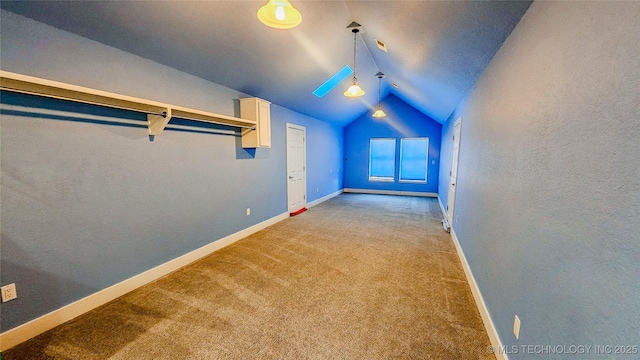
[[370, 54], [361, 32], [346, 7], [357, 28]]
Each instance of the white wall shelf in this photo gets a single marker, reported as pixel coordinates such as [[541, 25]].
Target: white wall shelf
[[158, 114]]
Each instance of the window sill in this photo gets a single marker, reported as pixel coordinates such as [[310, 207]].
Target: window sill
[[381, 180]]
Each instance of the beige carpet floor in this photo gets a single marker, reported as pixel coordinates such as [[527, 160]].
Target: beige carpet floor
[[357, 277]]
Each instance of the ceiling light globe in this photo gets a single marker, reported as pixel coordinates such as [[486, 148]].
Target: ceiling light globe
[[354, 91], [279, 14]]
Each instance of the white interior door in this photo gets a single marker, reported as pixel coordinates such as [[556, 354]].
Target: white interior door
[[453, 175], [296, 167]]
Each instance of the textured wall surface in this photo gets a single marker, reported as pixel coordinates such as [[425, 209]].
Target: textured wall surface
[[401, 121], [549, 182], [86, 205]]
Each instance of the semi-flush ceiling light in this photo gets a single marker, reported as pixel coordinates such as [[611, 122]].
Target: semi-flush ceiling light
[[354, 90], [379, 113], [279, 14]]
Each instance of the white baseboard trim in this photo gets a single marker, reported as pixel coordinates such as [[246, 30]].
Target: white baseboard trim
[[323, 199], [390, 192], [482, 307], [444, 212], [446, 222], [48, 321]]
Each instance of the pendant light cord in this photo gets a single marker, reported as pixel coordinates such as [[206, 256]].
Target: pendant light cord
[[379, 83], [355, 36]]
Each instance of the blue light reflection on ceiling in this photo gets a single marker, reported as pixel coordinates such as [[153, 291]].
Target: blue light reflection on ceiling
[[333, 81]]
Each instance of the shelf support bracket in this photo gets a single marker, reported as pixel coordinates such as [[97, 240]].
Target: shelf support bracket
[[157, 123]]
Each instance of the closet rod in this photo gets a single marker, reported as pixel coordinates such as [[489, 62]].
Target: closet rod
[[200, 129], [219, 119]]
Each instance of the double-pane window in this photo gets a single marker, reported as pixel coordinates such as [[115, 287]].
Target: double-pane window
[[413, 164]]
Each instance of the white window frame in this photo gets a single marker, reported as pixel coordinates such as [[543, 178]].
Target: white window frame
[[426, 170]]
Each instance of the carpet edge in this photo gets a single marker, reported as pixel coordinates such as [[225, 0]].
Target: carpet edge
[[324, 198], [390, 192], [496, 343]]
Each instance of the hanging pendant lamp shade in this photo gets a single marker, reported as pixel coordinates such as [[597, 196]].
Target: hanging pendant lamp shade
[[379, 113], [354, 90], [279, 14]]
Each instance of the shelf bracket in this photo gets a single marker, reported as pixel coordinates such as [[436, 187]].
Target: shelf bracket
[[157, 123]]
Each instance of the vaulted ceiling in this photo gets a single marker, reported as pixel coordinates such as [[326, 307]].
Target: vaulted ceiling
[[436, 49]]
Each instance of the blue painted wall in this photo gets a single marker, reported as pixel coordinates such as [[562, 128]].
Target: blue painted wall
[[86, 205], [548, 200], [402, 120]]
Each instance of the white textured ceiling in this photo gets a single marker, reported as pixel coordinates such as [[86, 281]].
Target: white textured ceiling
[[437, 49]]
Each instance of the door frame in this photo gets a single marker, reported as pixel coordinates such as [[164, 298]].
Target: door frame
[[451, 197], [304, 161]]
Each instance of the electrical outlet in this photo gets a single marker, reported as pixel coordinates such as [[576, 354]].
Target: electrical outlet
[[516, 327], [248, 211], [317, 190], [9, 292]]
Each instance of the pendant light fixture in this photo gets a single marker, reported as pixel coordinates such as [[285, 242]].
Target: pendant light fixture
[[354, 90], [379, 113], [279, 14]]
